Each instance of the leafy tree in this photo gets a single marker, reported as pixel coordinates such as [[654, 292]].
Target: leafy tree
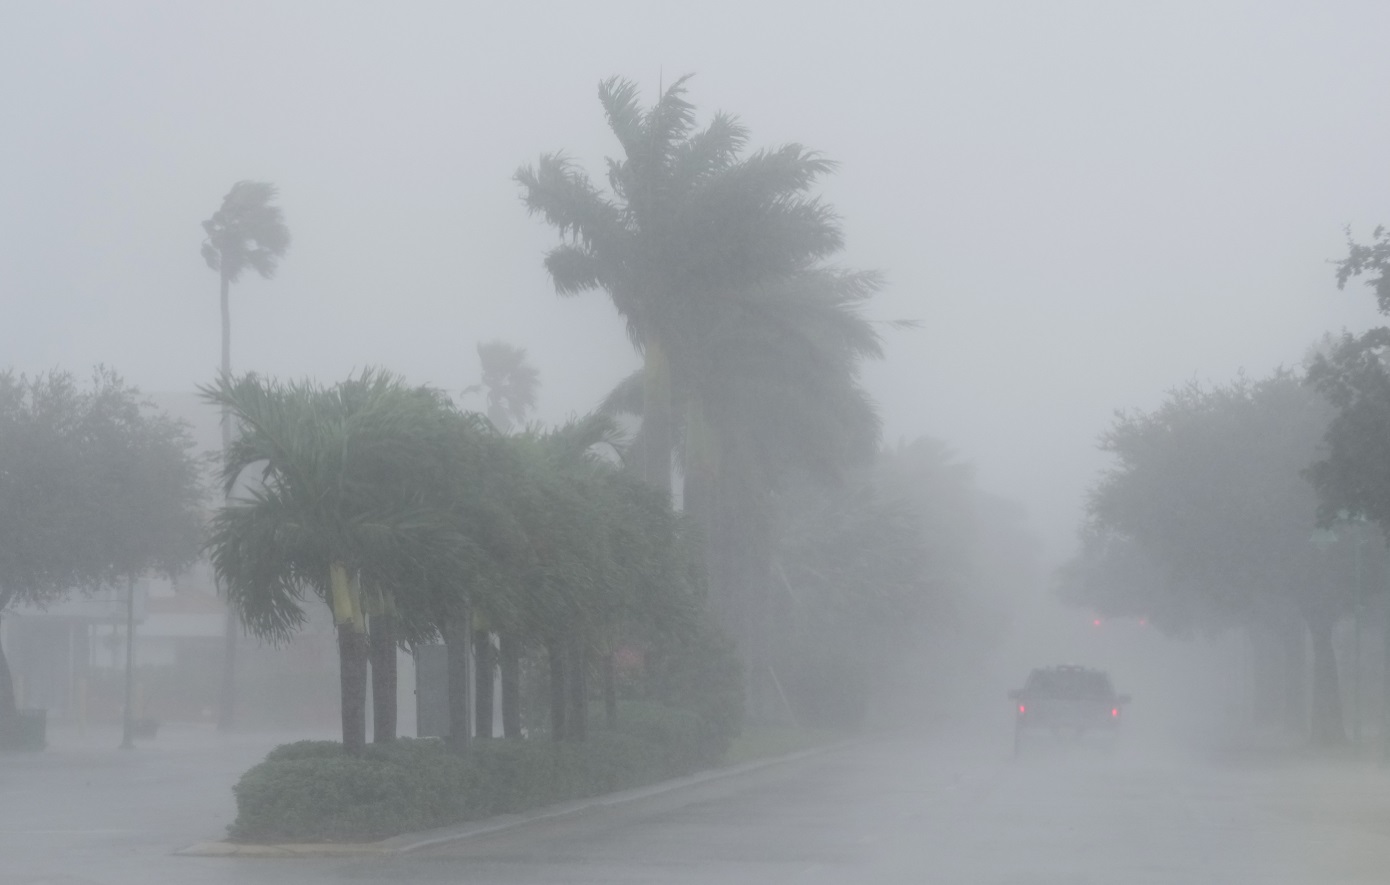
[[246, 232], [1211, 489], [856, 590], [95, 488], [906, 567], [1352, 373]]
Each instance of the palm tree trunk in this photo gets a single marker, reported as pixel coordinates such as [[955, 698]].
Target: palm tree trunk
[[555, 655], [352, 675], [456, 650], [509, 663], [384, 678], [577, 720], [1328, 728], [484, 669], [657, 433], [226, 707]]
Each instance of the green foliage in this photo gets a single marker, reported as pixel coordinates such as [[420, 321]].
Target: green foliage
[[333, 797], [901, 559], [247, 230], [94, 486], [700, 671], [682, 740], [310, 791], [1210, 510], [509, 383], [1354, 476]]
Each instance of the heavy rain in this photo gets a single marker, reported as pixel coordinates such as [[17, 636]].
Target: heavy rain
[[620, 442]]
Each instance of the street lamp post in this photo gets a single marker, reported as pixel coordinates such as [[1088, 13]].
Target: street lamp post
[[128, 720]]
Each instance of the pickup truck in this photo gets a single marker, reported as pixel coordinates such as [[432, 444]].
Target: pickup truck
[[1067, 700]]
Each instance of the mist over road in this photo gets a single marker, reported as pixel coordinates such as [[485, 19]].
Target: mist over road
[[882, 810], [901, 811]]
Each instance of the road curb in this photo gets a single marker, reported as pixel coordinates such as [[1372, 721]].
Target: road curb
[[408, 842]]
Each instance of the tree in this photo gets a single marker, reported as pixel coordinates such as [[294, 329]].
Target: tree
[[750, 342], [94, 489], [1211, 488], [247, 231], [345, 505], [509, 384], [1352, 373]]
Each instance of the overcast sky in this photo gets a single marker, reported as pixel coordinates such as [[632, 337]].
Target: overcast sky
[[1083, 204]]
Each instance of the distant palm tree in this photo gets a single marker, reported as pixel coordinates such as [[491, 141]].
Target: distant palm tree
[[509, 383], [247, 231]]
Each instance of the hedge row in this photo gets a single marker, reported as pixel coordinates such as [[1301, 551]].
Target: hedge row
[[311, 792]]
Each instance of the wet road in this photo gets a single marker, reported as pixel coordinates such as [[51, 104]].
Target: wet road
[[881, 811]]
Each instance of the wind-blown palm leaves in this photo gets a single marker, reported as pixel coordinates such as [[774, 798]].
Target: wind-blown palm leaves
[[709, 256], [509, 383], [342, 501], [247, 231], [751, 342], [382, 500]]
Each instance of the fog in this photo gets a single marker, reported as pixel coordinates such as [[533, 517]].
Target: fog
[[1084, 205], [1079, 206]]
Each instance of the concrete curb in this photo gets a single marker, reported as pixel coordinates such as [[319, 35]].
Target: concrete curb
[[408, 842]]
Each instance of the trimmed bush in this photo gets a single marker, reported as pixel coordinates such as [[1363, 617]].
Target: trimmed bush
[[309, 791], [309, 794]]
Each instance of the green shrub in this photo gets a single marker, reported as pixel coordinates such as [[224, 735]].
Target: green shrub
[[702, 674], [309, 791], [685, 741]]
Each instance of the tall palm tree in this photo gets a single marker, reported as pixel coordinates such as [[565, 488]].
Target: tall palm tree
[[247, 231], [343, 505], [751, 342], [690, 223]]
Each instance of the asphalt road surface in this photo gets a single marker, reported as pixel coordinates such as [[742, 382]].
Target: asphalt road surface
[[884, 810]]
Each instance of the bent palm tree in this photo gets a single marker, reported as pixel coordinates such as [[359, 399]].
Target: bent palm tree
[[247, 231], [509, 383], [690, 225], [750, 342]]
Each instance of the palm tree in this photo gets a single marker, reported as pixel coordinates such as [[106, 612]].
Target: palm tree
[[691, 225], [247, 231], [509, 383], [345, 506], [750, 342]]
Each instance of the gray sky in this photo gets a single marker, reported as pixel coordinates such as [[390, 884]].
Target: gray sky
[[1084, 204]]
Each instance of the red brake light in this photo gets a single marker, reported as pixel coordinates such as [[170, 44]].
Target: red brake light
[[1022, 709], [1115, 712]]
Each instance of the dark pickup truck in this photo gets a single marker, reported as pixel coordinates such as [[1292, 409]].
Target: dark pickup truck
[[1067, 700]]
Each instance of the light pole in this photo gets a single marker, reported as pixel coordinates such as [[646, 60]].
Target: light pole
[[128, 720]]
